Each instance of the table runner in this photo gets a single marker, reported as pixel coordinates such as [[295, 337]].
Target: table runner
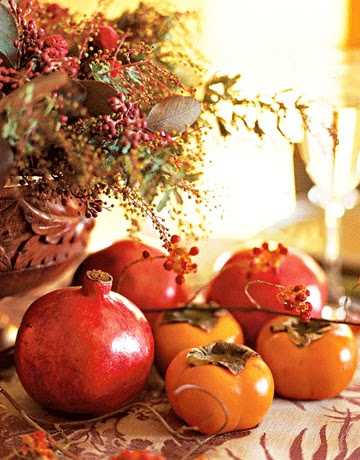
[[295, 430]]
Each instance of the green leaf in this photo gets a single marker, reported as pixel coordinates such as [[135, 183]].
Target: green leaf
[[178, 197], [34, 91], [8, 34], [164, 200], [134, 75]]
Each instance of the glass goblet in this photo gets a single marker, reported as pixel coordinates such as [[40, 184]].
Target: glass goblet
[[331, 153]]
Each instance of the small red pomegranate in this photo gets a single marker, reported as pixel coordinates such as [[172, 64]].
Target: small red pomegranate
[[146, 283], [84, 349], [277, 265]]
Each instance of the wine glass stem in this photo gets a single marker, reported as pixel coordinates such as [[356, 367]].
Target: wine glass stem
[[332, 252]]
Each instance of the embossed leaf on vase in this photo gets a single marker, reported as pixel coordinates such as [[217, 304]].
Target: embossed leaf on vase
[[5, 262], [174, 114], [52, 224], [55, 235], [39, 239], [8, 34]]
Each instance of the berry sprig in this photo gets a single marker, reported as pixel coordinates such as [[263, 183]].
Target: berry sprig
[[264, 259], [295, 299], [36, 445], [92, 84], [179, 259]]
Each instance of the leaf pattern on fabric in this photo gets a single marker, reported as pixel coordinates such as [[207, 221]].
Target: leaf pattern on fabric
[[306, 430]]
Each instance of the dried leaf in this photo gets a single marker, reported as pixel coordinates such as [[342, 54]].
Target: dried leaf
[[301, 333], [74, 97], [8, 34], [203, 318], [232, 356], [34, 91], [5, 61], [173, 114], [98, 94]]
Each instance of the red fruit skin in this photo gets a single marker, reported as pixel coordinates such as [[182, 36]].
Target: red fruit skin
[[106, 38], [83, 350], [228, 288], [147, 284]]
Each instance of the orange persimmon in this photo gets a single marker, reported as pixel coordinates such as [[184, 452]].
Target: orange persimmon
[[178, 329], [309, 361], [220, 387]]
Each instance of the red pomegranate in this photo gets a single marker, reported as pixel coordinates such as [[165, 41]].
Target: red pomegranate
[[84, 349], [277, 266], [144, 281]]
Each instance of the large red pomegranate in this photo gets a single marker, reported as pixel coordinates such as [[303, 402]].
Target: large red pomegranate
[[84, 349], [276, 265]]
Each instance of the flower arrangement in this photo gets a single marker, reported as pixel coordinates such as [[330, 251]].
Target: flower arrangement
[[94, 108]]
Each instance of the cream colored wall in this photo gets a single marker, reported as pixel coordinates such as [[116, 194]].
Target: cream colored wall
[[115, 7]]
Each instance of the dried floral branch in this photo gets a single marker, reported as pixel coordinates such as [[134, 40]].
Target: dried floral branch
[[36, 423], [36, 426], [79, 109], [249, 111]]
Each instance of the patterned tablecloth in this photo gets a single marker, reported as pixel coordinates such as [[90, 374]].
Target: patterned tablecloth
[[294, 430]]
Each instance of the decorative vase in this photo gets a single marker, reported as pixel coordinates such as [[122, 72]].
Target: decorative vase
[[39, 240]]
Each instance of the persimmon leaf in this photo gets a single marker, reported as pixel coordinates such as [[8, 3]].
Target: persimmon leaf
[[232, 356], [8, 35], [300, 332], [173, 114], [203, 318]]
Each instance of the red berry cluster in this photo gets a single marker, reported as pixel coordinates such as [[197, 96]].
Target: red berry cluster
[[179, 259], [39, 54], [36, 445], [294, 299], [126, 120], [128, 123], [264, 259]]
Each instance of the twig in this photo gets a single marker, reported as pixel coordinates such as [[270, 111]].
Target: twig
[[248, 309], [134, 262], [34, 422], [217, 399], [37, 427]]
